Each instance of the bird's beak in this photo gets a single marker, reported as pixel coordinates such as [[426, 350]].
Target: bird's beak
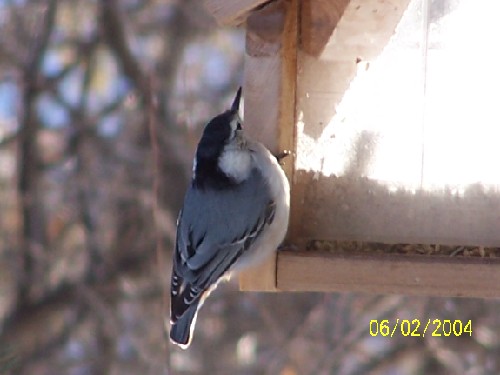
[[236, 102]]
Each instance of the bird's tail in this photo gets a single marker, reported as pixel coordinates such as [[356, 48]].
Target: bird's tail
[[181, 332]]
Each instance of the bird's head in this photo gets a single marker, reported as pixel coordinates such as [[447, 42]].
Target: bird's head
[[222, 134]]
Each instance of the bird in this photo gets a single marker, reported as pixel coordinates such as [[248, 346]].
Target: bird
[[235, 213]]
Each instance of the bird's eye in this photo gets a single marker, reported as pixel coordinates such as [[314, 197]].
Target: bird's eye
[[238, 126]]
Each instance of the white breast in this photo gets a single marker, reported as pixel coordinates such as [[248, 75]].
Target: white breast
[[236, 163], [272, 236]]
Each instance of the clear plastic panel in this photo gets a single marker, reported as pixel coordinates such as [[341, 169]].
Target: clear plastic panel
[[397, 135]]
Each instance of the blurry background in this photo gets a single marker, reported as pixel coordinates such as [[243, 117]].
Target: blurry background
[[82, 286]]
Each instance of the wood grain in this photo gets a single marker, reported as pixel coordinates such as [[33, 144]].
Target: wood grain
[[318, 19], [405, 274], [269, 90], [232, 12]]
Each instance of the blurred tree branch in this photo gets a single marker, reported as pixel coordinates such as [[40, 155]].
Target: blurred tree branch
[[32, 235], [6, 141], [114, 33], [86, 185]]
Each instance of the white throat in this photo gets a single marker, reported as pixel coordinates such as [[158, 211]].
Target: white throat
[[236, 162]]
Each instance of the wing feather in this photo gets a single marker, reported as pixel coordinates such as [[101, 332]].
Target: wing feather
[[214, 230]]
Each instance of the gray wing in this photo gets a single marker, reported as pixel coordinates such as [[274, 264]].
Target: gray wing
[[215, 228]]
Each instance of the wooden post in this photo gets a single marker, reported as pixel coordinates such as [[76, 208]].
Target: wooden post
[[269, 90]]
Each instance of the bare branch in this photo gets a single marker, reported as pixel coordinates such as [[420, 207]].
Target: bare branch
[[40, 44], [32, 234], [113, 29], [8, 140]]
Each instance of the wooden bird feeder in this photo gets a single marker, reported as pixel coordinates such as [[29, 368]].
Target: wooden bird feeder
[[389, 107]]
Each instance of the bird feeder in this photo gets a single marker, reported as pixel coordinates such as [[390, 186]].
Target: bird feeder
[[389, 108]]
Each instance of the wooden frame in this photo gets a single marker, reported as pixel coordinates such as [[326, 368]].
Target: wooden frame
[[273, 34], [270, 71], [400, 274]]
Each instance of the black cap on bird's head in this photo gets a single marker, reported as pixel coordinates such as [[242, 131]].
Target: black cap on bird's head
[[222, 127], [218, 132]]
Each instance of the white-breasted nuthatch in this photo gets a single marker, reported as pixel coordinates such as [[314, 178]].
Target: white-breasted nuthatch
[[235, 213]]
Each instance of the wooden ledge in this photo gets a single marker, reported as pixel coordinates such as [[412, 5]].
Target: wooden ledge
[[382, 273]]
